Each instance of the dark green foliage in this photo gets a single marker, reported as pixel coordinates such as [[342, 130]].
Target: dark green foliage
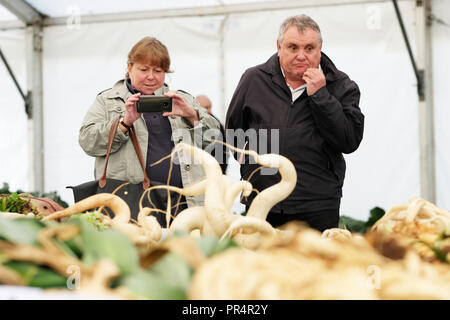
[[52, 194], [375, 215], [360, 226], [13, 203], [352, 225], [37, 276]]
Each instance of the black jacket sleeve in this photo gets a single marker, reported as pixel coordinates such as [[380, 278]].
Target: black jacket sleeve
[[234, 118], [339, 119], [237, 121]]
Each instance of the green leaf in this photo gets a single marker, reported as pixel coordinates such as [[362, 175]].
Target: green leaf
[[108, 244], [352, 225], [375, 215], [76, 245], [3, 204], [14, 196], [93, 217], [146, 285], [169, 278], [66, 248], [211, 245], [174, 270], [441, 255], [21, 231], [224, 245], [37, 276], [207, 244]]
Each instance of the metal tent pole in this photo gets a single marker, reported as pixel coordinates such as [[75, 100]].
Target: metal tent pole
[[222, 67], [423, 72], [35, 122], [426, 105], [33, 21]]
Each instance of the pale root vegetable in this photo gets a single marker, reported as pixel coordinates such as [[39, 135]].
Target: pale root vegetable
[[145, 235], [220, 192], [15, 215], [419, 211], [93, 280], [189, 220], [10, 277], [102, 273], [307, 266], [56, 259], [267, 198], [253, 224], [195, 218], [215, 208], [233, 189], [195, 189], [115, 203], [420, 226], [150, 224], [336, 233], [186, 247]]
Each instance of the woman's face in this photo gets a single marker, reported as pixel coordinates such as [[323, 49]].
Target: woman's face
[[146, 78]]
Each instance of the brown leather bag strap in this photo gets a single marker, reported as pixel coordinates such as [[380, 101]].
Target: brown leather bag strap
[[112, 133], [137, 149]]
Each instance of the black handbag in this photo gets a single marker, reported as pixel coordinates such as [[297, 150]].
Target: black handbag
[[130, 192]]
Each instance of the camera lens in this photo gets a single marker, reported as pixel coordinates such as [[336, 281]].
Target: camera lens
[[165, 104]]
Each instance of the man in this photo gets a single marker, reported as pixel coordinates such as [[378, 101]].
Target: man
[[206, 103], [315, 107]]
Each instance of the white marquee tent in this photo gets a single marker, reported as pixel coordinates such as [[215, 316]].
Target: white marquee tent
[[78, 48]]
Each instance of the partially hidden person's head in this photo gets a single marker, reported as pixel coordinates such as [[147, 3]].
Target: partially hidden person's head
[[204, 102], [299, 46], [148, 63]]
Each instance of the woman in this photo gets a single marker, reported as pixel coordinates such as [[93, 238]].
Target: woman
[[148, 62]]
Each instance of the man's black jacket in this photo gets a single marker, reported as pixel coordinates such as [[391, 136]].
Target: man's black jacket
[[314, 131]]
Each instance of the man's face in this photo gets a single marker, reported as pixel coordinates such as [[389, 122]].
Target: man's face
[[205, 103], [298, 52]]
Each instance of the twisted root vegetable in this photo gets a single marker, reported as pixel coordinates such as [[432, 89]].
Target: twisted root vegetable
[[220, 191], [115, 203], [308, 266], [15, 215], [93, 280], [419, 225], [336, 233], [267, 198], [418, 210], [145, 234], [49, 254]]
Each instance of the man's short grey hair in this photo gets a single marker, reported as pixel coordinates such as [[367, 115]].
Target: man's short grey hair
[[302, 22]]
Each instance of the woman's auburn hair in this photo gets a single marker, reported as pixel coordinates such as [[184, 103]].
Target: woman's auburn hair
[[150, 50]]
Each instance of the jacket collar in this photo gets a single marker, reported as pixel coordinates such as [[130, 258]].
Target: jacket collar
[[120, 90], [272, 67]]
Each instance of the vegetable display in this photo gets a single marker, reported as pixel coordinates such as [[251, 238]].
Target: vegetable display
[[208, 252]]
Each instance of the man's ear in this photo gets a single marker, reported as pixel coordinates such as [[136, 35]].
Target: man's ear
[[278, 47]]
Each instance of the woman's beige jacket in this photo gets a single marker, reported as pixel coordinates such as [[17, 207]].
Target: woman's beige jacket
[[123, 163]]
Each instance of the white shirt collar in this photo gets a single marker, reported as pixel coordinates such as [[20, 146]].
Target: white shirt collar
[[298, 91]]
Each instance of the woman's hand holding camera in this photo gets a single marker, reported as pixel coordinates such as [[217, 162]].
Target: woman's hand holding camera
[[131, 114], [181, 108]]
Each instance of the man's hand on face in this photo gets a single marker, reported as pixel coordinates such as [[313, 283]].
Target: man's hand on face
[[315, 79]]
